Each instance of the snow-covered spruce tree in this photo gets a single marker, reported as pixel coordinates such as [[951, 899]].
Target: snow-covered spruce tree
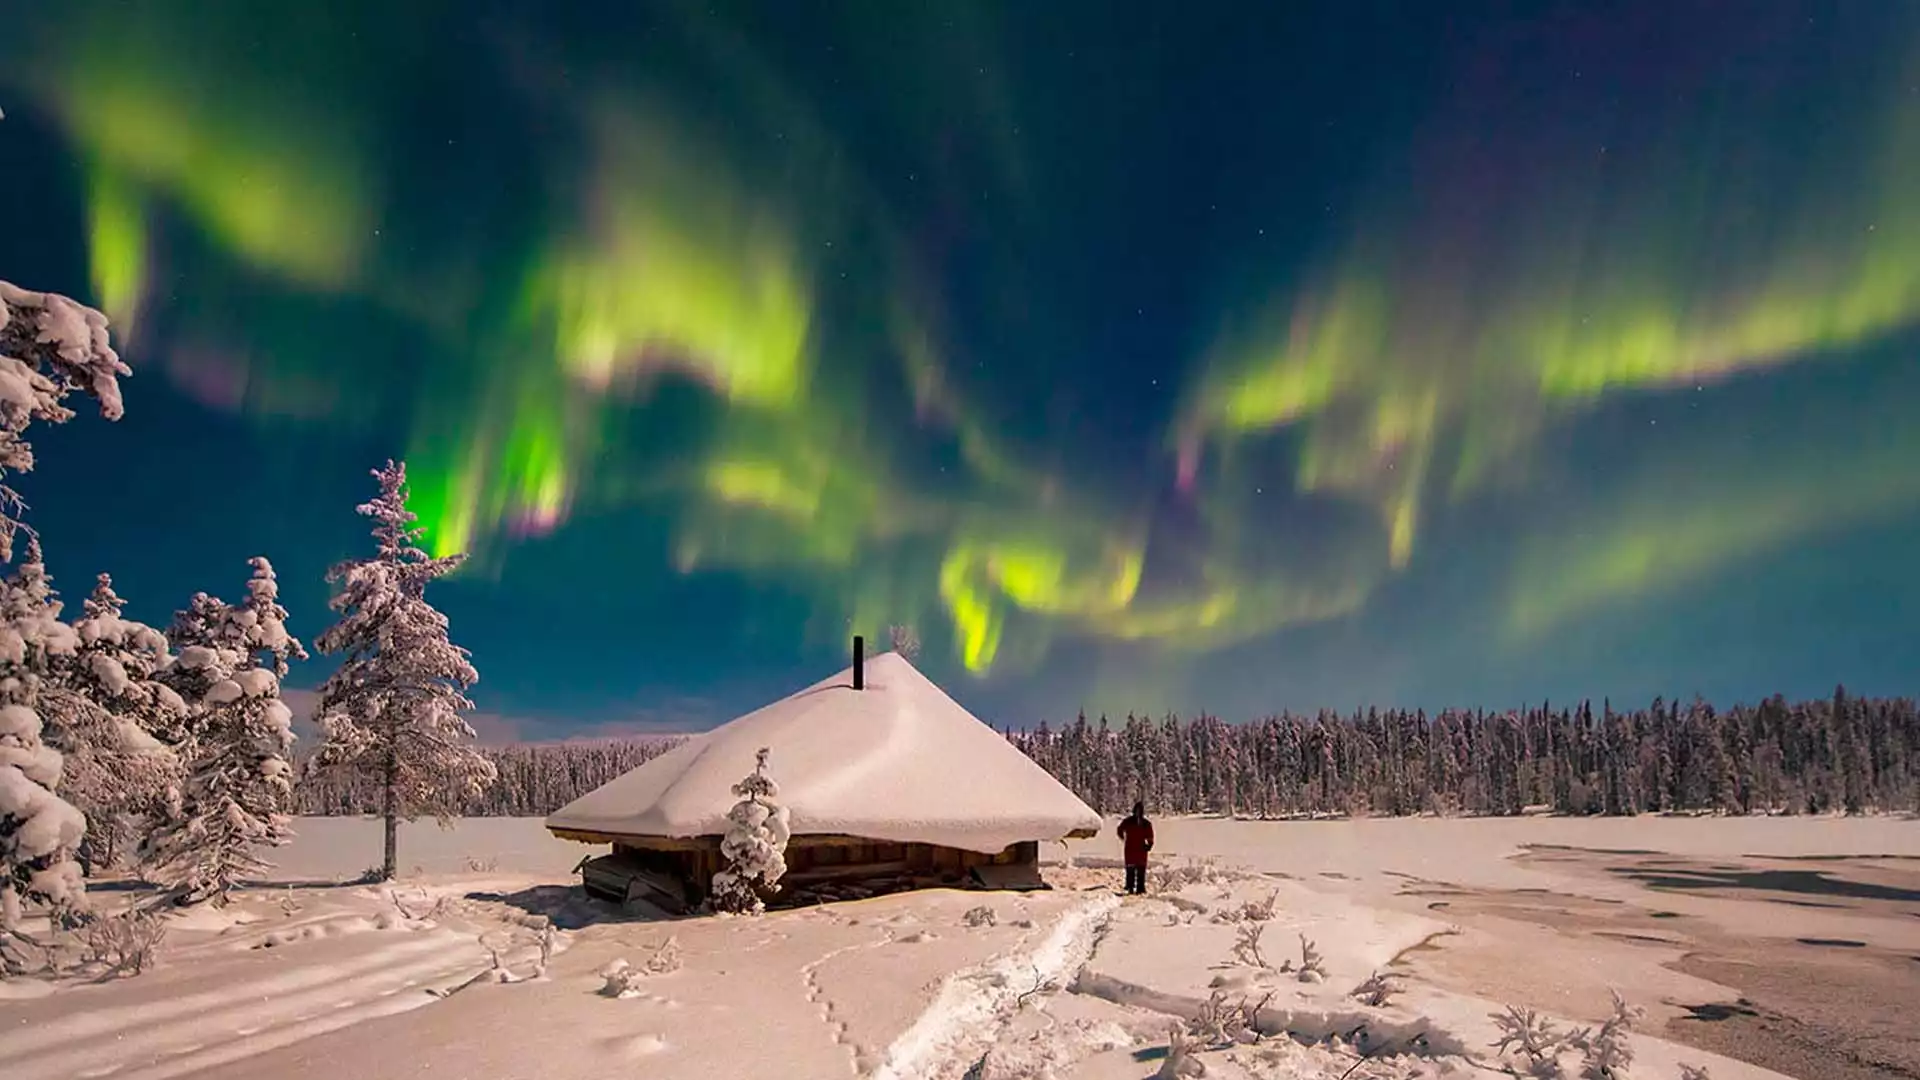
[[50, 346], [392, 713], [755, 846], [239, 781], [105, 715], [200, 634], [39, 830]]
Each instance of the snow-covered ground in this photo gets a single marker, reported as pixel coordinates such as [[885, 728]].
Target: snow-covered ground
[[440, 975]]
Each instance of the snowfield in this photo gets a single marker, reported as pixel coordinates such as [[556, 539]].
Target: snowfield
[[442, 974]]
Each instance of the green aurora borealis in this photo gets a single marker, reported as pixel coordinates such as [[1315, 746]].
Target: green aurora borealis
[[1169, 352]]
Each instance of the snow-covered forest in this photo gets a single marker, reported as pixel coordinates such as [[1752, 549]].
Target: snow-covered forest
[[1845, 754], [532, 779], [1842, 754], [124, 745]]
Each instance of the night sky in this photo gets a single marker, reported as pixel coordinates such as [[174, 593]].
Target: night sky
[[1237, 357]]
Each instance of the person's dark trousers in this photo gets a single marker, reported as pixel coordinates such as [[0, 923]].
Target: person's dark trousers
[[1136, 879]]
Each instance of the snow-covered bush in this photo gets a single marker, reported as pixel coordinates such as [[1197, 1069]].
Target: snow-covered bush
[[755, 845], [392, 712], [1249, 911], [1608, 1053], [1531, 1038], [239, 782], [1246, 945], [126, 942], [1535, 1047], [1220, 1023], [1201, 871]]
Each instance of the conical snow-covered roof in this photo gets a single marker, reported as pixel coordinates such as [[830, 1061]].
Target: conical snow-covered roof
[[899, 761]]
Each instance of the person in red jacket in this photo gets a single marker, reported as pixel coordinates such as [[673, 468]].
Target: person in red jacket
[[1136, 836]]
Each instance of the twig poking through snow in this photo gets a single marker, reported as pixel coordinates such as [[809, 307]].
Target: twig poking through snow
[[1041, 984], [546, 951], [1246, 946], [491, 941], [1312, 969], [394, 896], [665, 959], [1693, 1072], [1180, 1061], [1220, 1023], [22, 954], [1377, 990], [1415, 1044], [980, 916]]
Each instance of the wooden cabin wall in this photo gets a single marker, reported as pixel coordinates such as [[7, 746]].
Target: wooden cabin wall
[[820, 858]]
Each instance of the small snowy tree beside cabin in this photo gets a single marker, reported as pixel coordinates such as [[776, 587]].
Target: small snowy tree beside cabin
[[755, 845], [239, 784], [50, 346], [392, 713]]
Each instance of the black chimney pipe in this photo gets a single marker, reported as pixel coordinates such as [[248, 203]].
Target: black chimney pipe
[[859, 662]]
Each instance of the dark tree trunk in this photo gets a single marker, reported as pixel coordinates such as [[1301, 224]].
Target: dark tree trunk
[[390, 797]]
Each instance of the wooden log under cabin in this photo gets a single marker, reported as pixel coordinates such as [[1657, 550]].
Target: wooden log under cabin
[[676, 874]]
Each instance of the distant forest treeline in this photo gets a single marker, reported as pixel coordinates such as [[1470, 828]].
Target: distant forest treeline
[[535, 779], [1847, 753], [1842, 754]]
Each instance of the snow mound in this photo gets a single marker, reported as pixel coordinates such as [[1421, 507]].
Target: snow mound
[[880, 763]]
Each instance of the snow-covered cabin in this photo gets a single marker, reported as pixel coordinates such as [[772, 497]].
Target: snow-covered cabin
[[889, 782]]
